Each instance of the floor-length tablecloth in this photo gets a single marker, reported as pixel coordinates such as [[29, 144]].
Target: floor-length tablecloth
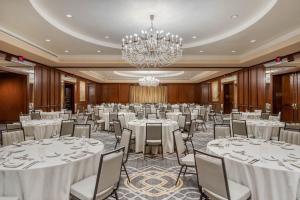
[[265, 129], [138, 128], [266, 179], [129, 116], [41, 129], [50, 115], [52, 178]]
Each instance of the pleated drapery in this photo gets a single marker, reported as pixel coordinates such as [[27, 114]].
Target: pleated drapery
[[143, 94]]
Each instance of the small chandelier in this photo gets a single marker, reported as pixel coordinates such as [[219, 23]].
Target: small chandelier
[[149, 81], [152, 48]]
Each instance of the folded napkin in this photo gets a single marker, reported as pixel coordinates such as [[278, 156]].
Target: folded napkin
[[93, 142], [69, 142], [237, 144], [270, 158], [291, 155], [76, 147], [21, 156], [16, 150], [52, 154], [13, 164], [296, 164], [287, 147]]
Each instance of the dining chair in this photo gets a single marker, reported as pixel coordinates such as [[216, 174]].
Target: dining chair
[[154, 137], [291, 136], [213, 181], [112, 116], [125, 142], [236, 116], [235, 110], [9, 137], [292, 126], [24, 117], [188, 119], [202, 113], [140, 115], [239, 128], [181, 122], [176, 110], [200, 121], [121, 118], [64, 116], [82, 119], [12, 126], [184, 159], [265, 115], [105, 183], [222, 131], [151, 116], [66, 128], [188, 135], [162, 115], [218, 118], [81, 130], [35, 115], [258, 111]]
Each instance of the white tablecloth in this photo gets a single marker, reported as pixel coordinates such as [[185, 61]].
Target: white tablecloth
[[50, 115], [266, 179], [138, 128], [174, 115], [127, 115], [265, 129], [42, 128], [250, 115], [52, 178]]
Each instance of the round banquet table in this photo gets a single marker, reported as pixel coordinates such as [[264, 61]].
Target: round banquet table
[[138, 128], [265, 129], [50, 115], [41, 129], [129, 116], [174, 115], [58, 165], [266, 178]]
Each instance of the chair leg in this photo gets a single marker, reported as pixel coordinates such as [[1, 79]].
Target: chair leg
[[186, 147], [116, 195], [116, 144], [179, 175], [185, 170], [126, 172], [162, 152], [192, 144]]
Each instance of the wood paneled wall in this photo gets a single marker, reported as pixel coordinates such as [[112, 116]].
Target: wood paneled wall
[[120, 92], [13, 96], [47, 88], [252, 90]]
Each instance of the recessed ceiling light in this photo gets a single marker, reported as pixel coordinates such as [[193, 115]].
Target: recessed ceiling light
[[201, 51], [68, 16], [234, 16], [252, 41], [194, 36], [48, 40], [107, 37], [233, 51], [66, 51], [98, 51]]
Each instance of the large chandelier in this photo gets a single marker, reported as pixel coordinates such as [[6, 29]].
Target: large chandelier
[[152, 48], [149, 81]]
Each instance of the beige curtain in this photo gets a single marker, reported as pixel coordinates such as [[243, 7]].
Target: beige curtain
[[141, 94]]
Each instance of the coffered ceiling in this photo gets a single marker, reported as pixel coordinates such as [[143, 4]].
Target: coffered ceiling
[[219, 36]]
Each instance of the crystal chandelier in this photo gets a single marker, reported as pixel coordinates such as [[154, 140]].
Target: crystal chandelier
[[149, 81], [152, 48]]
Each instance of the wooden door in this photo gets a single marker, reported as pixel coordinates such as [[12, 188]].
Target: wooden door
[[228, 97], [290, 100], [69, 97]]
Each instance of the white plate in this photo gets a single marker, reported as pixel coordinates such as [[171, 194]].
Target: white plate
[[76, 147], [52, 155], [291, 155]]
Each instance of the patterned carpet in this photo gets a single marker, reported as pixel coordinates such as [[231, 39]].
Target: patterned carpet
[[154, 178]]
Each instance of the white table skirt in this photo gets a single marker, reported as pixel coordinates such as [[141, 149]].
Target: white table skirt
[[174, 115], [250, 115], [51, 179], [127, 115], [265, 129], [266, 179], [50, 115], [138, 128], [41, 129]]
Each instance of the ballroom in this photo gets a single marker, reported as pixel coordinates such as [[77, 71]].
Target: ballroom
[[149, 100]]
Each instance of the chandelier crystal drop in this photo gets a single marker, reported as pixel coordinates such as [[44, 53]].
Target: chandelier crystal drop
[[149, 81], [152, 48]]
